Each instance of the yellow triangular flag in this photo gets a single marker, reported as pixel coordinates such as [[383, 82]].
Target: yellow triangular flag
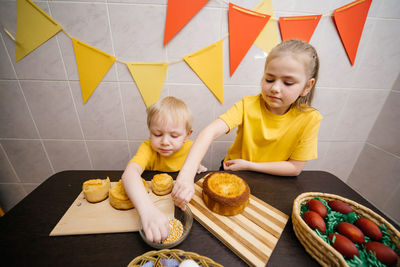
[[149, 78], [93, 64], [268, 38], [34, 27], [207, 64]]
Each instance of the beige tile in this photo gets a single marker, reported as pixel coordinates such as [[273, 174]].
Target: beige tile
[[101, 117], [15, 119], [386, 131], [359, 114], [341, 157], [375, 175], [68, 155], [28, 159], [6, 68], [52, 109], [7, 173], [108, 155]]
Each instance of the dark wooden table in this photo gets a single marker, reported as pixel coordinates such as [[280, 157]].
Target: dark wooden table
[[25, 240]]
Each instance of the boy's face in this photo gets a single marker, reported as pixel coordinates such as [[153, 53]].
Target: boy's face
[[167, 137]]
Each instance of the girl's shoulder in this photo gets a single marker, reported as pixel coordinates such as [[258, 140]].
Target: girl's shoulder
[[309, 112]]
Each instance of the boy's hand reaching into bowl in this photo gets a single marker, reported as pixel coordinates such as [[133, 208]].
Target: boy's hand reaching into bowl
[[155, 225]]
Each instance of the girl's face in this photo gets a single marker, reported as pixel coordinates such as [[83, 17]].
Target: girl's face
[[167, 137], [285, 79]]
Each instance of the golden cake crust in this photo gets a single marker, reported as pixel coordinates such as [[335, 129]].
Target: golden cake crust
[[118, 197], [96, 190], [162, 184], [225, 193]]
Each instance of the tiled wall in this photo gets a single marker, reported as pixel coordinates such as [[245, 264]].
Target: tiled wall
[[45, 128], [376, 174]]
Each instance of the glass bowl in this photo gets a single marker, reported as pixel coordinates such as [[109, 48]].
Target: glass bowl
[[186, 218]]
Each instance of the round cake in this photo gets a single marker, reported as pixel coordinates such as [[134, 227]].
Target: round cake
[[162, 184], [96, 190], [225, 193], [118, 197]]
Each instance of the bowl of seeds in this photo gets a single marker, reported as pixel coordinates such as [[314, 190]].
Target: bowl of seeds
[[179, 229]]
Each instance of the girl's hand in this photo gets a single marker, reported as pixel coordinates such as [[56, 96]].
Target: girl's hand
[[182, 192], [201, 169], [155, 224], [236, 165]]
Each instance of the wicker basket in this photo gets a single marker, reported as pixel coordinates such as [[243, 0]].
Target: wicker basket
[[324, 253], [180, 255]]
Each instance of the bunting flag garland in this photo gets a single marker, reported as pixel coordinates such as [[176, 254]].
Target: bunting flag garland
[[301, 28], [179, 13], [268, 37], [93, 64], [244, 27], [34, 27], [149, 78], [350, 20], [207, 64]]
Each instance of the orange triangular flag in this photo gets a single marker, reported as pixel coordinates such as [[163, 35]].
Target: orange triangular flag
[[244, 27], [93, 64], [207, 64], [179, 12], [350, 20], [301, 28], [149, 78]]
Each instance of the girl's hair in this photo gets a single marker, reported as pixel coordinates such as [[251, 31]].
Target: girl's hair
[[311, 63], [170, 108]]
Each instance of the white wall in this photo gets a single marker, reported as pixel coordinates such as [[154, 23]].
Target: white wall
[[45, 127]]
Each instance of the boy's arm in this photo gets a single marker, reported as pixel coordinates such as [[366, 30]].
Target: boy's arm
[[155, 223], [281, 168], [184, 186]]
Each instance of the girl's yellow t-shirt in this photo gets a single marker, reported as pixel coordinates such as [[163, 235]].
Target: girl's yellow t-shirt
[[264, 137], [150, 160]]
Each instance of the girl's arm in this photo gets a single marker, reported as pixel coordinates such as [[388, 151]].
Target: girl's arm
[[155, 222], [282, 168], [184, 186]]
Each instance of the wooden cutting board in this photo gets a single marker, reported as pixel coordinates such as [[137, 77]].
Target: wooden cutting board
[[83, 217], [252, 235]]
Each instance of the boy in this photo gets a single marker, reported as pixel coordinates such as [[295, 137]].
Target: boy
[[170, 124]]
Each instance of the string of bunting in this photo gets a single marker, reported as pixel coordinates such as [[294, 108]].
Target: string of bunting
[[246, 27]]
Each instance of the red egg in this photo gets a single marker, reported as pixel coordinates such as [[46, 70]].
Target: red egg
[[369, 228], [340, 206], [344, 246], [351, 231], [317, 206], [384, 253], [314, 220]]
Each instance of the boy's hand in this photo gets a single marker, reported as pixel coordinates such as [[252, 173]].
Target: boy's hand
[[201, 169], [155, 224], [236, 165], [182, 192]]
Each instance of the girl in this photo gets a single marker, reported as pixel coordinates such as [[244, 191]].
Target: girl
[[277, 129]]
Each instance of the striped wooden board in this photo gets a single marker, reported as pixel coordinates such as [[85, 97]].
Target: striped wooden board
[[252, 235]]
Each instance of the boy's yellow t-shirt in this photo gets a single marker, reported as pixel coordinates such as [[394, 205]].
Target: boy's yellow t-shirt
[[149, 159], [264, 137]]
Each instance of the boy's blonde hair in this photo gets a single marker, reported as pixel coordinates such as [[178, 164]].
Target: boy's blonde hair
[[311, 63], [170, 108]]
